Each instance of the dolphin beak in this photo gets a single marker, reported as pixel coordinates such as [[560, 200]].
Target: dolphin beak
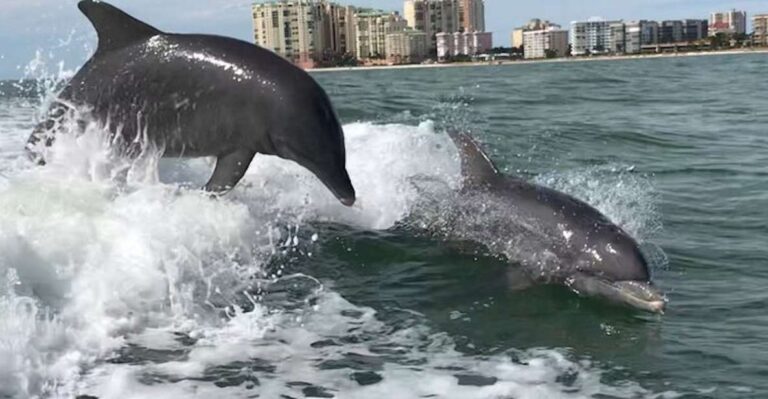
[[347, 201], [641, 295], [341, 188], [337, 182]]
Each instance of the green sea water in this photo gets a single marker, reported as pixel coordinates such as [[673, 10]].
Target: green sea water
[[148, 289], [686, 142]]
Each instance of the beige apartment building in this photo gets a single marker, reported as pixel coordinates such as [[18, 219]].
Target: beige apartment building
[[339, 29], [292, 29], [544, 43], [408, 46], [760, 26], [433, 17], [472, 15], [534, 24], [305, 32], [372, 28]]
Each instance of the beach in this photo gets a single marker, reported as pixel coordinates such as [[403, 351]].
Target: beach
[[760, 50]]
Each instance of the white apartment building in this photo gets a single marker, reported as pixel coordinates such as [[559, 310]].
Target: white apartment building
[[372, 28], [544, 43], [595, 36], [462, 43]]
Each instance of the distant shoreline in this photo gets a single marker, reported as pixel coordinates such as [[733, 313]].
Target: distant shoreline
[[545, 61]]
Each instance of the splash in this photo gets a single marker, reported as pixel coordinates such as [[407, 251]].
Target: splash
[[120, 279], [145, 287]]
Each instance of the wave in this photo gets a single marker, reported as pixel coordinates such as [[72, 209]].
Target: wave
[[119, 279]]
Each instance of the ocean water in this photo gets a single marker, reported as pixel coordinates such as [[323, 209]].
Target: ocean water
[[119, 279]]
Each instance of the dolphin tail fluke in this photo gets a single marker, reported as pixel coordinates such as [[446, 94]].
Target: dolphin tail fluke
[[476, 166], [115, 28]]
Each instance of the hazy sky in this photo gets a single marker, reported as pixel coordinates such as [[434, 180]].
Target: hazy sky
[[57, 30]]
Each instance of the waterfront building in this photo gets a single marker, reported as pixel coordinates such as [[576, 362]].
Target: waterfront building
[[633, 37], [433, 17], [472, 15], [760, 26], [728, 22], [546, 43], [617, 38], [695, 30], [372, 28], [670, 32], [596, 36], [534, 24], [408, 46], [641, 33], [649, 33], [339, 29], [462, 43], [292, 29]]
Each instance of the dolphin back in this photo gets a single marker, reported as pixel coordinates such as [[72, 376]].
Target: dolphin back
[[115, 28]]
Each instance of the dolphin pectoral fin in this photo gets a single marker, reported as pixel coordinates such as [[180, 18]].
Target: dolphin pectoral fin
[[476, 167], [230, 168]]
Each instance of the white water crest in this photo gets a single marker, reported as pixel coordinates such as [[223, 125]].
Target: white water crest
[[121, 279]]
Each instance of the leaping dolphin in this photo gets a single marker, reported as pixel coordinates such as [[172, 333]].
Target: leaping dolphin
[[201, 95], [555, 237]]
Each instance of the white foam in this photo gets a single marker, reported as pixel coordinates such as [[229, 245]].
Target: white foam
[[93, 265]]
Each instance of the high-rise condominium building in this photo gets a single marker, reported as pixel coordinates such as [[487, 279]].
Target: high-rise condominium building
[[695, 30], [617, 38], [304, 31], [640, 33], [670, 32], [545, 43], [534, 24], [339, 28], [408, 46], [372, 29], [682, 31], [462, 43], [292, 29], [433, 17], [728, 22], [596, 36], [760, 25], [472, 15]]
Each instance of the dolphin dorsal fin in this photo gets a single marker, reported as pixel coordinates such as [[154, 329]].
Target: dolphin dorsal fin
[[115, 28], [476, 167]]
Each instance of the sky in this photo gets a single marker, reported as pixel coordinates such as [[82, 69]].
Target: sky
[[38, 35]]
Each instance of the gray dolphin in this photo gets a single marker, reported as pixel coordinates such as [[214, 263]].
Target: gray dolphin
[[557, 238], [197, 95]]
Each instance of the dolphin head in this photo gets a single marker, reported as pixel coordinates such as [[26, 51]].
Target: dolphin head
[[311, 136], [613, 268]]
